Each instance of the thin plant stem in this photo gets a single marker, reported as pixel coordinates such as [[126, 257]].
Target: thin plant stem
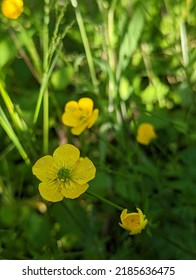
[[46, 122], [11, 109], [44, 85], [57, 37], [184, 43], [30, 45], [85, 43], [33, 67], [114, 205], [13, 137], [45, 67], [50, 59]]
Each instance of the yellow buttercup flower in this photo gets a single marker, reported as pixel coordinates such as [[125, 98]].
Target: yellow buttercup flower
[[133, 222], [145, 134], [65, 174], [80, 115], [12, 8]]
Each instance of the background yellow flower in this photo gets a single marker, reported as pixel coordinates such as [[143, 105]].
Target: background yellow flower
[[80, 115], [12, 8], [133, 222], [146, 133], [64, 174]]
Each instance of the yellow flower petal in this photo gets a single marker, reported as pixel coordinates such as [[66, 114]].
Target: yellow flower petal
[[12, 8], [83, 172], [72, 114], [143, 221], [66, 156], [80, 115], [70, 119], [135, 231], [145, 133], [73, 190], [124, 227], [64, 174], [93, 118], [133, 222], [71, 106], [51, 192], [123, 214], [86, 105], [45, 169], [79, 129]]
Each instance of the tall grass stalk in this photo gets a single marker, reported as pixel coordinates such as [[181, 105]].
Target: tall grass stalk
[[51, 51], [45, 67], [32, 61], [12, 135], [85, 44], [18, 122], [184, 44]]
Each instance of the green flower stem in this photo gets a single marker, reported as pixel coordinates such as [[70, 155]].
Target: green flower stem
[[110, 32], [32, 62], [184, 43], [85, 43], [46, 33], [118, 207], [57, 37], [45, 67], [46, 122], [10, 107], [12, 135], [49, 62], [34, 55], [44, 85]]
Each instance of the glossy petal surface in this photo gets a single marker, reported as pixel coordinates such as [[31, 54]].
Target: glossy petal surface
[[45, 169], [73, 190], [66, 156], [51, 192], [84, 171]]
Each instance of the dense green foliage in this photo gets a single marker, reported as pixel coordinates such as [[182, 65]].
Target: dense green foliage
[[136, 60]]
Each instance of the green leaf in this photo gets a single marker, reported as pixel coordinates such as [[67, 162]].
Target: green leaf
[[155, 92], [130, 40], [62, 77], [7, 52]]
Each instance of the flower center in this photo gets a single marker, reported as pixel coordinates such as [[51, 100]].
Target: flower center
[[63, 174], [133, 220], [82, 117]]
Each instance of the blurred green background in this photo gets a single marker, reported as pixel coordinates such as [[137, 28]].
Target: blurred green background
[[136, 60]]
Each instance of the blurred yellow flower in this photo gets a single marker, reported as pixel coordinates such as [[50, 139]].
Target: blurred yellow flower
[[12, 8], [80, 115], [145, 133], [133, 222], [65, 174]]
